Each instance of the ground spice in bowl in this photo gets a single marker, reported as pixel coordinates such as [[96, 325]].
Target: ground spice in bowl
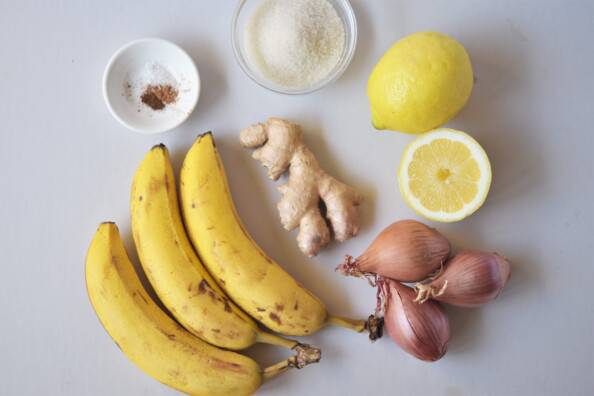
[[155, 90], [158, 96]]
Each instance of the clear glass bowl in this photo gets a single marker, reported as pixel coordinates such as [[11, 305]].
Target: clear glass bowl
[[244, 10]]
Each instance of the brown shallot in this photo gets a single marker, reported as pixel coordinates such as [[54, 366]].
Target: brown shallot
[[421, 330], [406, 250], [469, 279]]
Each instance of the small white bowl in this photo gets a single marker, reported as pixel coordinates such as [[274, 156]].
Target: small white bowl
[[130, 61]]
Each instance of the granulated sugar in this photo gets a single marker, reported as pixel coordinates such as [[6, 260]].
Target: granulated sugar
[[295, 43]]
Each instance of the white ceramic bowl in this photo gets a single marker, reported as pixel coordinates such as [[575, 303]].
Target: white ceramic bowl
[[130, 61], [243, 12]]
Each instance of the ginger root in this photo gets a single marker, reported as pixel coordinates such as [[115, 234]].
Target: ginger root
[[309, 188]]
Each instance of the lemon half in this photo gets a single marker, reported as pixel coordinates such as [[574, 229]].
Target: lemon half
[[444, 175]]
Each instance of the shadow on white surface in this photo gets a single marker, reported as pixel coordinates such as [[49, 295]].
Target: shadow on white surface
[[465, 328], [214, 86], [518, 166]]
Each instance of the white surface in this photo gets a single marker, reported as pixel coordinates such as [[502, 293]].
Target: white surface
[[67, 165], [132, 66]]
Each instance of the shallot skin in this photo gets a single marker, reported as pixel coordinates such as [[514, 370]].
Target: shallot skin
[[473, 279], [406, 250], [421, 330]]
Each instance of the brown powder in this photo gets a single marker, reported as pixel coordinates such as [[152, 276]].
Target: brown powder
[[151, 100], [158, 96]]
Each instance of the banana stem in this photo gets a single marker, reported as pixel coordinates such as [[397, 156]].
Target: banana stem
[[276, 369], [356, 325], [374, 325], [305, 354], [273, 339]]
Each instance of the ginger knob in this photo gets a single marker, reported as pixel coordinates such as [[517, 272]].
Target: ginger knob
[[279, 148]]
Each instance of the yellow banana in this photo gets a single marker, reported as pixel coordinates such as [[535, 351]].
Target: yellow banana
[[151, 339], [253, 280], [175, 271]]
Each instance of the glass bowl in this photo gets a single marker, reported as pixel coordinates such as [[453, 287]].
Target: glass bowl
[[244, 10]]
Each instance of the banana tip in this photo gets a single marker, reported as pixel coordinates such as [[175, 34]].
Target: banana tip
[[205, 134], [159, 146]]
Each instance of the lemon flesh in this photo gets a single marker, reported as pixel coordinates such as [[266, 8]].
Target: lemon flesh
[[420, 83], [444, 175]]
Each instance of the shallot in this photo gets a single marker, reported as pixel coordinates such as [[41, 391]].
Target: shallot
[[421, 330], [469, 279], [407, 251]]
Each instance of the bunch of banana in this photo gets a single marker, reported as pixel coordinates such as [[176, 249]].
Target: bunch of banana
[[200, 292], [252, 279], [152, 340]]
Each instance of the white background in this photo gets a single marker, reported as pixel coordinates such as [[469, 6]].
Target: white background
[[67, 165]]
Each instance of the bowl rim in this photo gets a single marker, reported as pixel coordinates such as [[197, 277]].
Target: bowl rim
[[107, 73], [350, 47]]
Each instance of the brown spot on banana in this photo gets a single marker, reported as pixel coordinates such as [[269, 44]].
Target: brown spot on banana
[[166, 183], [168, 335], [155, 184], [228, 366], [260, 309], [202, 286], [114, 261], [279, 307], [261, 275], [274, 317]]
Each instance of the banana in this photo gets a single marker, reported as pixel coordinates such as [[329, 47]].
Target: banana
[[174, 270], [249, 277], [151, 339]]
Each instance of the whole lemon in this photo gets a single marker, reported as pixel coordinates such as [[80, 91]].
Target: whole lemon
[[420, 83]]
